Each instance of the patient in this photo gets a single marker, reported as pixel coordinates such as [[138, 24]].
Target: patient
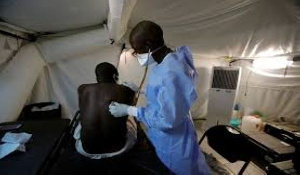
[[100, 135]]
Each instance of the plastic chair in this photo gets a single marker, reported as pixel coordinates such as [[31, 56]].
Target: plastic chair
[[230, 143]]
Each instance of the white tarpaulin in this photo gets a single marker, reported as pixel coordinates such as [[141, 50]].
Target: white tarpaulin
[[225, 28], [8, 46], [119, 14], [74, 45], [248, 29], [263, 30], [67, 76], [55, 15], [275, 92], [17, 80], [69, 67]]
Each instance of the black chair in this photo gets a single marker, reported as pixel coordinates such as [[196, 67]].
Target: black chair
[[60, 146], [230, 143], [75, 121]]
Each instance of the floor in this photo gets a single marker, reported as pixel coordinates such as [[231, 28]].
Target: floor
[[252, 169]]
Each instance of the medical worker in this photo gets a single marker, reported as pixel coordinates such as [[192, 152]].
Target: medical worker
[[170, 94]]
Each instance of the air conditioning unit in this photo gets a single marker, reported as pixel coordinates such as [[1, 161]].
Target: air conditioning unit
[[222, 95]]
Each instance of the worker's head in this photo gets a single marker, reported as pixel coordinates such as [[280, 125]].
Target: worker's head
[[146, 36], [106, 73]]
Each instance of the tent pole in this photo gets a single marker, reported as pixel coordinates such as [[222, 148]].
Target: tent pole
[[30, 37]]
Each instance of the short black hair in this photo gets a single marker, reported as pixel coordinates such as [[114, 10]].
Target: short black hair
[[106, 72], [146, 34]]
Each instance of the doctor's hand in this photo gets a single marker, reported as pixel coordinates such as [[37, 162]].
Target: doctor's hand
[[121, 110], [131, 85], [118, 110]]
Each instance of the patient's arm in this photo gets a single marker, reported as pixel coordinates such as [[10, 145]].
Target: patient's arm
[[79, 92]]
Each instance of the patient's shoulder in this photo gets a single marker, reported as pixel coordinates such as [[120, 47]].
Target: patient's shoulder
[[86, 88], [125, 89], [103, 87], [81, 87]]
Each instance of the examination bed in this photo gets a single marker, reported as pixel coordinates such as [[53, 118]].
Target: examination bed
[[45, 140]]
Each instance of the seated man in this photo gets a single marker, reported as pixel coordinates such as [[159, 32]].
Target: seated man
[[100, 135]]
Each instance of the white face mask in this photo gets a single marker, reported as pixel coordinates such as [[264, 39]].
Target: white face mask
[[146, 59]]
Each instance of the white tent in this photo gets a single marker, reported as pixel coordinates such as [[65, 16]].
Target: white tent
[[73, 36]]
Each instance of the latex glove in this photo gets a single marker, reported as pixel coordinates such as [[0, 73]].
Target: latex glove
[[121, 110], [131, 85]]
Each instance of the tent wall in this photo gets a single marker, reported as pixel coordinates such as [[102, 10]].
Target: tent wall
[[216, 28], [75, 45], [71, 63], [8, 47], [248, 29], [275, 104], [55, 15], [275, 92], [118, 16], [17, 80]]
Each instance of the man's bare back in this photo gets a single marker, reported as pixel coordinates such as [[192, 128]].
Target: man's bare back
[[101, 132]]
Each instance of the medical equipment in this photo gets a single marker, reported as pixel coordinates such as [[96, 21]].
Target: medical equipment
[[222, 95]]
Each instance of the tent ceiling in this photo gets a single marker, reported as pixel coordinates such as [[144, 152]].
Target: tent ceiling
[[54, 15], [216, 28]]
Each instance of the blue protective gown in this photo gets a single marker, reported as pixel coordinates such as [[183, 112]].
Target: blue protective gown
[[170, 93]]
